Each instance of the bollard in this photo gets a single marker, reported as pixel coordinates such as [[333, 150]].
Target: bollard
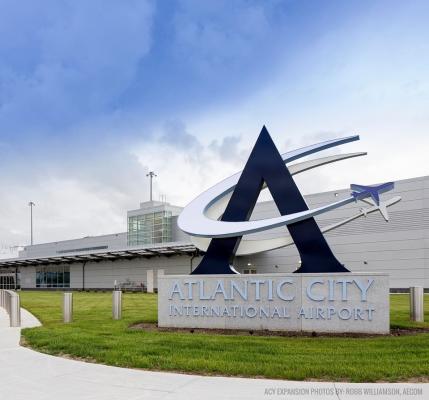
[[9, 300], [67, 307], [149, 280], [117, 304], [416, 304], [15, 311], [3, 298], [160, 272]]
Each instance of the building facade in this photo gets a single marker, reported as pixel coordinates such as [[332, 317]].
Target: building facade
[[154, 244]]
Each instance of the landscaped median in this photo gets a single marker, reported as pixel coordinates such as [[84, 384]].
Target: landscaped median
[[94, 336]]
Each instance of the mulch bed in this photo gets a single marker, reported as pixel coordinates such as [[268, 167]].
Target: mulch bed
[[152, 327]]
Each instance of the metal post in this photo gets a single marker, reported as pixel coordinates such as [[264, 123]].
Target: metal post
[[416, 304], [151, 175], [67, 307], [15, 311], [117, 304], [159, 273], [149, 280], [31, 204], [83, 275], [9, 300]]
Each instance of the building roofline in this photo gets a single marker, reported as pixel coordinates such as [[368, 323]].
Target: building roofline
[[167, 249]]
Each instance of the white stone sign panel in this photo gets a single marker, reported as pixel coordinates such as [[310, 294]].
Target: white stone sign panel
[[335, 302]]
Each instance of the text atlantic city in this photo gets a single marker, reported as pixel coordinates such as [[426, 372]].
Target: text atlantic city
[[270, 298]]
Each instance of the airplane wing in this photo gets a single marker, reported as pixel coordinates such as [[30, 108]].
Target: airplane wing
[[360, 188], [383, 211], [382, 207]]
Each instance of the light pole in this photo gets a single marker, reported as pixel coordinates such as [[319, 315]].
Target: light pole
[[31, 204], [151, 175]]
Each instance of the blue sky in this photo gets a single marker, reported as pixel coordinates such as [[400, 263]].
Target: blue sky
[[93, 94]]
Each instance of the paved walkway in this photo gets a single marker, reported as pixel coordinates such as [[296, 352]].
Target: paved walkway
[[28, 375]]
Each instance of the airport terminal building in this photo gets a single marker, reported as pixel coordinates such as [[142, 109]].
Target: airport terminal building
[[153, 245]]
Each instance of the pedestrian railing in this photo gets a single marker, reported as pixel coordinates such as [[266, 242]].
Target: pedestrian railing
[[9, 300]]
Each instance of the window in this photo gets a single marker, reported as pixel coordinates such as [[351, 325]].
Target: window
[[53, 277], [149, 228], [249, 271], [7, 281]]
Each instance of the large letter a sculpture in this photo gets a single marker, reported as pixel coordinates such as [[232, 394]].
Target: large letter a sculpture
[[266, 165]]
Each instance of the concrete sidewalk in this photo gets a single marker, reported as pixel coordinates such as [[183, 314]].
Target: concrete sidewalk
[[28, 375]]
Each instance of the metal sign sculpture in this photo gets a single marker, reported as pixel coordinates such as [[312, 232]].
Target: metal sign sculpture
[[219, 217]]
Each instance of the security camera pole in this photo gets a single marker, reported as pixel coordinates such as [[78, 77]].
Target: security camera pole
[[151, 175], [31, 204]]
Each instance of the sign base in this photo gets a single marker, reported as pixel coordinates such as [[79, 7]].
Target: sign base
[[336, 303]]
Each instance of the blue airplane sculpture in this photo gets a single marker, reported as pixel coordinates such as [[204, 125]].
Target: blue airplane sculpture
[[360, 192]]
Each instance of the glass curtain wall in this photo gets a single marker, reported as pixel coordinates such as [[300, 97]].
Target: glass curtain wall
[[53, 277], [7, 281], [149, 228], [9, 278]]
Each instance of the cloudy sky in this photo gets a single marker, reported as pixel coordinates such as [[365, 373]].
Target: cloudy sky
[[94, 94]]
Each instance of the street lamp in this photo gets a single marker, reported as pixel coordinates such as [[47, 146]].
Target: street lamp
[[151, 175], [31, 204]]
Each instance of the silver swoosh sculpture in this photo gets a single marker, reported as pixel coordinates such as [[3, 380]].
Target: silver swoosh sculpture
[[194, 221]]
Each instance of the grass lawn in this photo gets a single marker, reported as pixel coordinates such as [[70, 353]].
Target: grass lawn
[[96, 337]]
